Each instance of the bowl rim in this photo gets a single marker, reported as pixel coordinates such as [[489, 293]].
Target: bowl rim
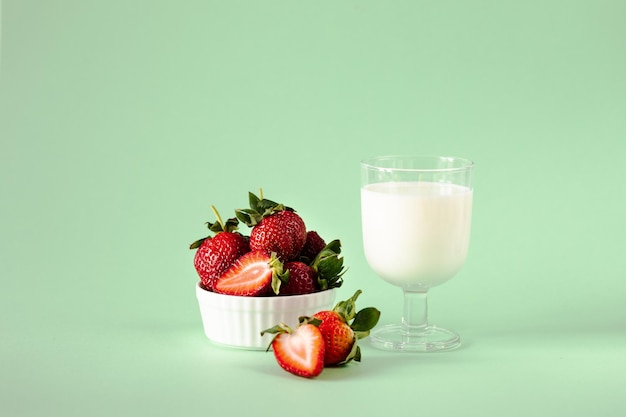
[[207, 293]]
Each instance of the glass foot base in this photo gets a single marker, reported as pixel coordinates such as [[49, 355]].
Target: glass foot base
[[395, 337]]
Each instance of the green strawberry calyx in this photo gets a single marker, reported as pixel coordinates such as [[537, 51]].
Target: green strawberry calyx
[[218, 226], [329, 266], [260, 208], [280, 275], [362, 321]]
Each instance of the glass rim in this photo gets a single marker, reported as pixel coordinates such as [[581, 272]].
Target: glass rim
[[370, 163]]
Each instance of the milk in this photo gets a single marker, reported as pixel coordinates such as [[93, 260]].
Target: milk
[[416, 234]]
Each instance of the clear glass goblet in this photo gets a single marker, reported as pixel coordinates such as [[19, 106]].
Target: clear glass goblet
[[416, 216]]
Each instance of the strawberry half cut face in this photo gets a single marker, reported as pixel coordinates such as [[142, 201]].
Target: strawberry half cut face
[[254, 274], [299, 351]]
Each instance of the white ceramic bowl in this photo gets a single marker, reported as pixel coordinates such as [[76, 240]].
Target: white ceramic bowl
[[238, 321]]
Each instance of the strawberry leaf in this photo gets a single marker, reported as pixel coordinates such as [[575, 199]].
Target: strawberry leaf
[[279, 328], [364, 321], [259, 209], [279, 275], [266, 207], [276, 330], [253, 200], [219, 226], [329, 266], [248, 217], [278, 279], [357, 355], [334, 246], [197, 243], [309, 320], [231, 225]]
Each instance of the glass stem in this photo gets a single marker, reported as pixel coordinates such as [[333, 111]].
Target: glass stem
[[415, 317]]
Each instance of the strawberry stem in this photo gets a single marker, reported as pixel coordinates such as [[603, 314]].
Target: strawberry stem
[[347, 308], [218, 217]]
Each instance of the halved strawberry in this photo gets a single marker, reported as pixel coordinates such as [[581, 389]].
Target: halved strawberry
[[254, 274], [299, 351]]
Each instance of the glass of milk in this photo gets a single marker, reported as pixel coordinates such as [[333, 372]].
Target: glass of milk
[[416, 215]]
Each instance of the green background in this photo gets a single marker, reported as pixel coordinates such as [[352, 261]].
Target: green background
[[121, 122]]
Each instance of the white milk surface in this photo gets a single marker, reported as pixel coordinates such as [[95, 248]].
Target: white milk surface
[[416, 234]]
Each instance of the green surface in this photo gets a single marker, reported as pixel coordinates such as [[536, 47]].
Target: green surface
[[122, 121]]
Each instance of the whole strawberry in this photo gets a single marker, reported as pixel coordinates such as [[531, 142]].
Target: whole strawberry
[[275, 228], [323, 273], [342, 327], [283, 232], [312, 246], [302, 279], [215, 254]]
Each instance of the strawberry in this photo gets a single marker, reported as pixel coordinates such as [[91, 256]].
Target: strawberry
[[302, 279], [339, 338], [215, 254], [342, 327], [312, 246], [299, 351], [283, 232], [275, 228], [254, 274]]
